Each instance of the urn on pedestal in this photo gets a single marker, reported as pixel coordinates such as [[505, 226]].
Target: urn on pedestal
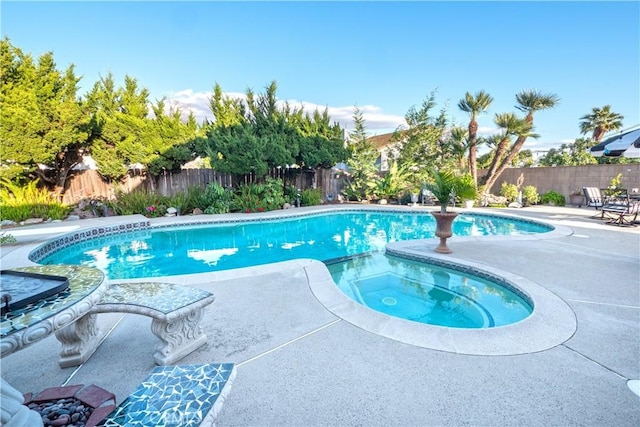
[[446, 187]]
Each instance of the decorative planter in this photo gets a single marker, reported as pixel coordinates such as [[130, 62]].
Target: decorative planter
[[443, 229], [576, 199], [468, 204]]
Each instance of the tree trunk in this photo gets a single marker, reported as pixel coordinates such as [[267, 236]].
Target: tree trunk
[[491, 180], [513, 152], [473, 143]]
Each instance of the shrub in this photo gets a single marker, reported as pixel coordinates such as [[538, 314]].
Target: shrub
[[311, 197], [510, 191], [260, 197], [20, 203], [6, 239], [290, 194], [195, 198], [218, 199], [141, 202], [466, 180], [273, 195], [530, 195], [247, 198], [553, 197], [180, 201]]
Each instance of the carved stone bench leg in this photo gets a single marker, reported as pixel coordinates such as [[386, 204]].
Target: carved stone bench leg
[[79, 340], [178, 337]]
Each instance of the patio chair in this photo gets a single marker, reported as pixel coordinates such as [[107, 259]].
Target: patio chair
[[594, 198], [622, 214]]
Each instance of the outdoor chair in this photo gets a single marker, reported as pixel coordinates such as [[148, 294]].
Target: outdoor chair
[[594, 198], [620, 213]]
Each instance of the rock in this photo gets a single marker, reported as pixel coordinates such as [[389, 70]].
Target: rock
[[515, 205], [286, 206], [73, 218], [32, 221], [491, 199], [197, 211], [172, 211], [7, 223], [82, 204], [382, 201], [61, 421]]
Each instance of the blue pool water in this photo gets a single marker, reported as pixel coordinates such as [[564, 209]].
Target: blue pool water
[[425, 293], [324, 236]]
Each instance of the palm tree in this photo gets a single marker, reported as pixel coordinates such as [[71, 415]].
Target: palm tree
[[511, 125], [458, 144], [474, 105], [600, 121], [529, 101]]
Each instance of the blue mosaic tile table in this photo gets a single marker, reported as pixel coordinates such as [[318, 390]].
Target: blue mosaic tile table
[[36, 321], [23, 327], [187, 395]]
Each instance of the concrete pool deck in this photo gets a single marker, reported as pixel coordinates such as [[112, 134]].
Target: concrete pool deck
[[300, 364]]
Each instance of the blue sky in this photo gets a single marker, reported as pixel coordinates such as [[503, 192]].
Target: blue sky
[[384, 57]]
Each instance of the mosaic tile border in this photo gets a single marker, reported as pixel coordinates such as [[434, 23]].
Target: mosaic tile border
[[466, 269], [84, 235], [331, 210]]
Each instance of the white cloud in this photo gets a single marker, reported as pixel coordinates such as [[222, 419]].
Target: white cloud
[[198, 103], [487, 130]]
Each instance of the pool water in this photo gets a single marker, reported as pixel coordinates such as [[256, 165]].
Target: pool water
[[426, 293], [325, 237]]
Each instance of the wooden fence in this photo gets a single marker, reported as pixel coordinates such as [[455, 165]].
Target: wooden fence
[[565, 180], [89, 184]]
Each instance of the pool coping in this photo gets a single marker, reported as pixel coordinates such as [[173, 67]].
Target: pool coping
[[551, 323]]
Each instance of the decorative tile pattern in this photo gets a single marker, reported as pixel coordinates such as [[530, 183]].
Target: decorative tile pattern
[[466, 269], [163, 297], [187, 395], [90, 233], [83, 281]]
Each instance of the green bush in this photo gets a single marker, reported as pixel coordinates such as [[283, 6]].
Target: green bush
[[6, 239], [195, 198], [218, 198], [311, 197], [553, 197], [510, 191], [180, 201], [141, 202], [530, 195], [260, 197], [248, 199], [19, 203], [290, 194], [273, 196]]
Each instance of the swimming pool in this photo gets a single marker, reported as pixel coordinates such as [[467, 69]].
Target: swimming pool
[[427, 293], [325, 236]]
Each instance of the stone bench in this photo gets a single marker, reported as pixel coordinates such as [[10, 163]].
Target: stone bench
[[176, 311], [183, 395]]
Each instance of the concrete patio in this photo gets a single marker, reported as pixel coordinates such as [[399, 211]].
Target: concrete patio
[[299, 364]]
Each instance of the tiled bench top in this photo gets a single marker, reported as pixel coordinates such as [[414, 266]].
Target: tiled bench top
[[186, 395]]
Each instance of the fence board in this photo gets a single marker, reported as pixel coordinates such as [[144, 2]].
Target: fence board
[[89, 184]]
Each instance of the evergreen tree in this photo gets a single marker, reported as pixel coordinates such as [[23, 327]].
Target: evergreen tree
[[363, 171], [421, 145], [43, 125]]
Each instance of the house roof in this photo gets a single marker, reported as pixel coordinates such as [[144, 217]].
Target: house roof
[[381, 141]]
